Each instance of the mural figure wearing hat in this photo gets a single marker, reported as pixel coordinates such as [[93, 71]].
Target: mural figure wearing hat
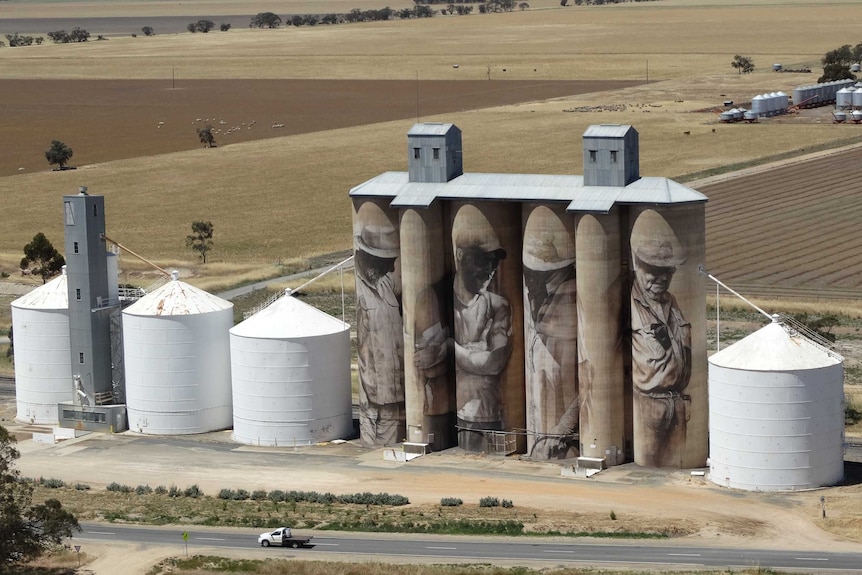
[[483, 331], [661, 346], [551, 339], [380, 338]]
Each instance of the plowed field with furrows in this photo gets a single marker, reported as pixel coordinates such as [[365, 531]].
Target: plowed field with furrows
[[793, 229]]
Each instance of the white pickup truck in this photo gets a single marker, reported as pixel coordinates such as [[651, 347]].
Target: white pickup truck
[[282, 537]]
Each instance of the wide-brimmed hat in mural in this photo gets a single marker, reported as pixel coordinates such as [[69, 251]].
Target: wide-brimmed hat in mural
[[376, 235], [548, 245], [654, 242], [471, 229]]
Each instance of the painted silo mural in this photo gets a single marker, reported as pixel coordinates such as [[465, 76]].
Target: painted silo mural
[[550, 332], [668, 337], [429, 354], [379, 325], [488, 319]]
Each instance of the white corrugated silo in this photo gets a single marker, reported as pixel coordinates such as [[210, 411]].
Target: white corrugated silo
[[844, 98], [783, 102], [759, 105], [776, 413], [177, 358], [290, 366], [43, 374], [856, 98]]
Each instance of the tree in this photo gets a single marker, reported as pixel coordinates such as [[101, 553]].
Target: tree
[[836, 63], [224, 27], [265, 20], [59, 153], [743, 64], [201, 238], [203, 26], [10, 351], [26, 530], [523, 6], [41, 258], [206, 136], [148, 31]]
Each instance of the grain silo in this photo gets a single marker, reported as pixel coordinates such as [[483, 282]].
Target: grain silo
[[43, 374], [776, 412], [177, 356], [290, 370]]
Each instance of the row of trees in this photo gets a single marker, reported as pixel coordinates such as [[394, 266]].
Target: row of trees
[[63, 37], [271, 20]]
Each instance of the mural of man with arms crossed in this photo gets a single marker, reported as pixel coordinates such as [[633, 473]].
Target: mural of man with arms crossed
[[483, 332], [661, 353]]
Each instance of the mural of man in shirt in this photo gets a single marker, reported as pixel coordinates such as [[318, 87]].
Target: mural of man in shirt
[[551, 340], [380, 338], [661, 349], [483, 333]]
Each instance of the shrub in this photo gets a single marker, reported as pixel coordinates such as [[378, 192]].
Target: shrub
[[161, 490], [174, 491], [114, 486], [52, 483], [276, 496], [194, 492], [82, 487], [143, 489], [258, 494], [489, 502], [613, 515], [240, 495], [226, 494], [224, 27], [507, 503], [451, 502]]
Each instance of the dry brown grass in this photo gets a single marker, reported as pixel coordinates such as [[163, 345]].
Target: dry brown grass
[[286, 198]]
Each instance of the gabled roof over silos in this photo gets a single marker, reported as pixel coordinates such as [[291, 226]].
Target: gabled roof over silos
[[288, 318], [775, 348], [177, 298], [51, 295]]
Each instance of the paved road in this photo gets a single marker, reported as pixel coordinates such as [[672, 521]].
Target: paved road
[[522, 550]]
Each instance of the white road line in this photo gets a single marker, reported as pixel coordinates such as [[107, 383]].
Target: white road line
[[555, 551], [324, 544], [99, 533], [684, 554], [446, 548], [811, 559], [208, 539]]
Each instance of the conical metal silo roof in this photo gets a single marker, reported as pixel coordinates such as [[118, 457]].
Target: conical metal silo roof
[[177, 298], [286, 318], [774, 348], [51, 295]]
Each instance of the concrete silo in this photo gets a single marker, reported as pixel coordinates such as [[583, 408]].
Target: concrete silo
[[776, 407], [379, 323], [177, 357], [488, 317], [290, 372], [550, 331], [668, 326], [601, 370], [43, 375]]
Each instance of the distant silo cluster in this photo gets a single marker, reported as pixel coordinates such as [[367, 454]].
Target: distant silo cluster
[[558, 316], [776, 407], [290, 372], [177, 359], [819, 94]]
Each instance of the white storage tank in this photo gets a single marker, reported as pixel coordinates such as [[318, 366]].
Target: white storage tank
[[783, 102], [776, 413], [760, 105], [290, 366], [177, 358], [844, 98], [856, 98], [43, 370]]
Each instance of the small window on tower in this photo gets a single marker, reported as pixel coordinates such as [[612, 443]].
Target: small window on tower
[[76, 247], [436, 153], [613, 156], [592, 156], [78, 294], [81, 357], [70, 213], [95, 210], [416, 153]]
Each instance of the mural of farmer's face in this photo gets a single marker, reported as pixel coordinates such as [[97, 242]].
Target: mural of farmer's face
[[373, 267], [478, 268], [653, 280]]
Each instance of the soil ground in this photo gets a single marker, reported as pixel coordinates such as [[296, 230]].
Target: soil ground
[[104, 120]]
